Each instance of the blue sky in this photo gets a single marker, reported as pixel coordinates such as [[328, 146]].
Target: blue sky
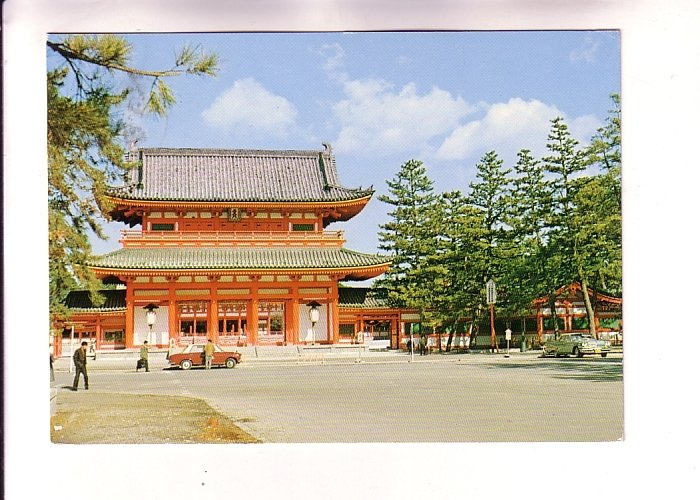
[[380, 99]]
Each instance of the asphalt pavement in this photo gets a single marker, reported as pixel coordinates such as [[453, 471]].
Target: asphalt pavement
[[366, 396]]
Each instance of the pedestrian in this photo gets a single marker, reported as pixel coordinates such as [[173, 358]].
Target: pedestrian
[[208, 354], [143, 357], [53, 378], [80, 362], [422, 345]]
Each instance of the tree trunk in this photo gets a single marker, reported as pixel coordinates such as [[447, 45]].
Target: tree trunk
[[474, 332], [589, 309], [448, 347]]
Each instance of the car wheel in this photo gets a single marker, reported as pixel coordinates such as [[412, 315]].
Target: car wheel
[[230, 363], [186, 364], [577, 352]]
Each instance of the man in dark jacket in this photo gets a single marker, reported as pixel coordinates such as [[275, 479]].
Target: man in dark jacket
[[80, 362]]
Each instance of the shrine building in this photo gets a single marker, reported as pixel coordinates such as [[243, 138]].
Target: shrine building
[[232, 246]]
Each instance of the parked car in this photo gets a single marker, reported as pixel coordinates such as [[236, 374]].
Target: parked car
[[575, 344], [193, 355]]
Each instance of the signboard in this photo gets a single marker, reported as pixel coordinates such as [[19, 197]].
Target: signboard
[[509, 332], [490, 292]]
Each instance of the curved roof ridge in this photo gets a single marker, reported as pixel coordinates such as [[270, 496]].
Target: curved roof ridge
[[228, 151]]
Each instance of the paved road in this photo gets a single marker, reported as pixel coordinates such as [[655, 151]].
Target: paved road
[[477, 398]]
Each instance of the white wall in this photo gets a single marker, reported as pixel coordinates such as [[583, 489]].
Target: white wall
[[160, 329], [321, 327]]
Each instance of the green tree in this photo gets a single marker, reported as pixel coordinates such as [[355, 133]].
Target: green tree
[[598, 209], [409, 237], [86, 141], [490, 195], [563, 165], [530, 205], [456, 264]]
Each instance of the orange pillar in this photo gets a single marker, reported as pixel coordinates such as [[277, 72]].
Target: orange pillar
[[291, 335], [99, 336], [253, 313], [214, 319], [334, 334], [129, 327], [253, 321]]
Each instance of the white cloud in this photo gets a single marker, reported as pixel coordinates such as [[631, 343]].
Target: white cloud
[[248, 107], [586, 52], [376, 118], [334, 55], [511, 126]]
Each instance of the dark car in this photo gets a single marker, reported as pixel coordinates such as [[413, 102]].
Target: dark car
[[193, 355]]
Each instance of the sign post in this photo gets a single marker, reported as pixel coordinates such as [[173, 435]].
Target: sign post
[[491, 300], [509, 332]]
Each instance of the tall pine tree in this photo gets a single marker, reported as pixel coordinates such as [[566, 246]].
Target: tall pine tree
[[564, 164], [409, 238], [489, 195], [530, 205], [87, 141]]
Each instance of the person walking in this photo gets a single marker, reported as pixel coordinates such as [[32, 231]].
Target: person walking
[[208, 354], [80, 362], [51, 358], [143, 357], [422, 343]]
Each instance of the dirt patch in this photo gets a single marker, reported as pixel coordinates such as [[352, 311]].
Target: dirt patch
[[88, 417]]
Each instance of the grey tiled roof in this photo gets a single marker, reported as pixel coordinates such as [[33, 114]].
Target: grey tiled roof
[[236, 258], [235, 175], [360, 297], [114, 300]]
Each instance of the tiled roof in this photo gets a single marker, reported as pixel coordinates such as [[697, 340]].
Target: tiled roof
[[115, 300], [235, 175], [236, 258], [363, 298]]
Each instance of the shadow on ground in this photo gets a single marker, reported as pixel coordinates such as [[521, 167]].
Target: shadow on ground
[[599, 370]]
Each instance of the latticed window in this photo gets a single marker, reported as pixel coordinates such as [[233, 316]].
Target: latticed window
[[192, 317], [165, 226], [232, 317], [347, 329], [271, 318]]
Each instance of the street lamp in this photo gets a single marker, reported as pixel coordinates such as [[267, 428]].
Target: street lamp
[[150, 319], [314, 315]]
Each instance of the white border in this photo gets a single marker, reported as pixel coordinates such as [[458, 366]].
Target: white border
[[660, 107]]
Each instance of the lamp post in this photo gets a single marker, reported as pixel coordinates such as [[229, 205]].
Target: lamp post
[[314, 315], [150, 319]]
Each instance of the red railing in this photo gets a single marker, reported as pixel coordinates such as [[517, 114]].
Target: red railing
[[231, 238]]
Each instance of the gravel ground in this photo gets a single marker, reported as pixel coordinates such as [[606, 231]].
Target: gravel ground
[[89, 417]]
